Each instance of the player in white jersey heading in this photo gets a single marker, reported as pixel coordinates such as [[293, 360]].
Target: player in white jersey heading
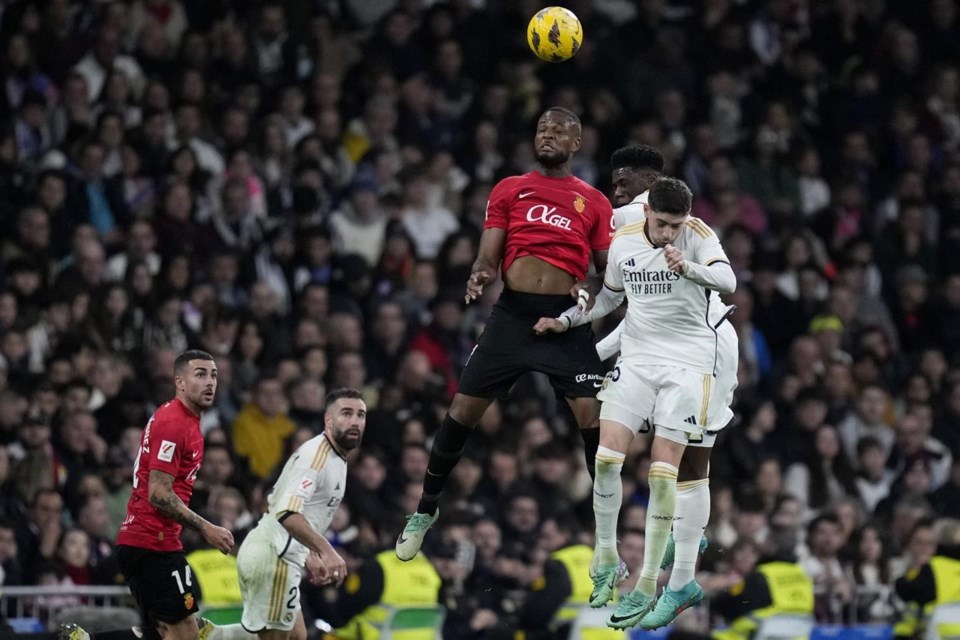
[[289, 537], [665, 265], [635, 169]]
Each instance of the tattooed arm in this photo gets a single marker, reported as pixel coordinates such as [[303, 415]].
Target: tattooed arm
[[169, 504]]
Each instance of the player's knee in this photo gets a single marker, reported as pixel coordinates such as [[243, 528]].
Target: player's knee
[[608, 461], [468, 410], [606, 467]]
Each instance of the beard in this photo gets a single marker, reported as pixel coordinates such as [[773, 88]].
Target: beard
[[552, 159], [347, 441]]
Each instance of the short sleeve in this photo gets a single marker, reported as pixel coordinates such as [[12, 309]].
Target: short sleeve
[[613, 277], [603, 225], [497, 207], [167, 443], [303, 482]]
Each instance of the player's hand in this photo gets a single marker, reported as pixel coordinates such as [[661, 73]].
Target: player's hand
[[218, 537], [580, 292], [315, 571], [549, 325], [475, 285], [334, 568], [674, 258]]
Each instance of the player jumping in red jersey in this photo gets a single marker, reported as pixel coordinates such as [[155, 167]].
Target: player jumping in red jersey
[[541, 230], [148, 546]]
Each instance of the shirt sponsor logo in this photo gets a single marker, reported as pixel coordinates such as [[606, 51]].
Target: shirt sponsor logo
[[650, 282], [167, 449], [548, 215]]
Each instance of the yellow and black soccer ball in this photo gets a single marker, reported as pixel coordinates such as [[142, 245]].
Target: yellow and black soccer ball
[[555, 34]]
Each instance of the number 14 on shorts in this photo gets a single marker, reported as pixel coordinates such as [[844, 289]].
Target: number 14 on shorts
[[187, 578]]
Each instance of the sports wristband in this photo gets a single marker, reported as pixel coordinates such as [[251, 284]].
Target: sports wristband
[[583, 298]]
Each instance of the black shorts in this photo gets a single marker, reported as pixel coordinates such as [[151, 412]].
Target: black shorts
[[161, 581], [509, 347]]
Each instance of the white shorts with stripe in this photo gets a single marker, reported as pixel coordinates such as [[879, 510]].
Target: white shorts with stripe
[[270, 585], [673, 399]]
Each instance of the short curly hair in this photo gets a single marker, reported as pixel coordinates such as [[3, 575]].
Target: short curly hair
[[637, 156]]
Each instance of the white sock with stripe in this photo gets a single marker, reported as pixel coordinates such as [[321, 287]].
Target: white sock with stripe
[[607, 500], [692, 516], [660, 511]]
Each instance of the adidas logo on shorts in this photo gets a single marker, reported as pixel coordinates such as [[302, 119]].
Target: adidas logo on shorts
[[691, 420]]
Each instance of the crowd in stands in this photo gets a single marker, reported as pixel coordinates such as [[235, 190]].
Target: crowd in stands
[[299, 188]]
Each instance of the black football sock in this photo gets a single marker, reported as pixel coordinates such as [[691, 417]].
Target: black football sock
[[447, 449], [591, 441]]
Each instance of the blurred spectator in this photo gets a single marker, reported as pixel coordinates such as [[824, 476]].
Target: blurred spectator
[[39, 533], [299, 189], [824, 567], [261, 428]]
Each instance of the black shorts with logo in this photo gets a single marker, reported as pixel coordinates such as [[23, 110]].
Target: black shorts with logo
[[509, 347], [161, 582]]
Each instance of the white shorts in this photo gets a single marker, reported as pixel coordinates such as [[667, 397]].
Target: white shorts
[[269, 584], [670, 398], [626, 417]]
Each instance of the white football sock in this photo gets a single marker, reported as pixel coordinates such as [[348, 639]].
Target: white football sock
[[660, 511], [692, 516], [607, 500]]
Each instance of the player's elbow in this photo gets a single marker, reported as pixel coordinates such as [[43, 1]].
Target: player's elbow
[[289, 521], [728, 287], [727, 283]]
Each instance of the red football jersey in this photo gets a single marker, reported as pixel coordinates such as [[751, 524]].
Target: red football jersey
[[559, 220], [173, 443]]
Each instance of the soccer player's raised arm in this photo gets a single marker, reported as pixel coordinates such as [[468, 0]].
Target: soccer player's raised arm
[[712, 268]]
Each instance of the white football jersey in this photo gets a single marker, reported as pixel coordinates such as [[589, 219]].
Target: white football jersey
[[312, 483], [633, 212], [669, 318]]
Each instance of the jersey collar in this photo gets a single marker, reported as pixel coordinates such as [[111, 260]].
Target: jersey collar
[[334, 446]]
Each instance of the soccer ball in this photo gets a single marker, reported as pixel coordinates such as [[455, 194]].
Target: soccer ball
[[555, 34]]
